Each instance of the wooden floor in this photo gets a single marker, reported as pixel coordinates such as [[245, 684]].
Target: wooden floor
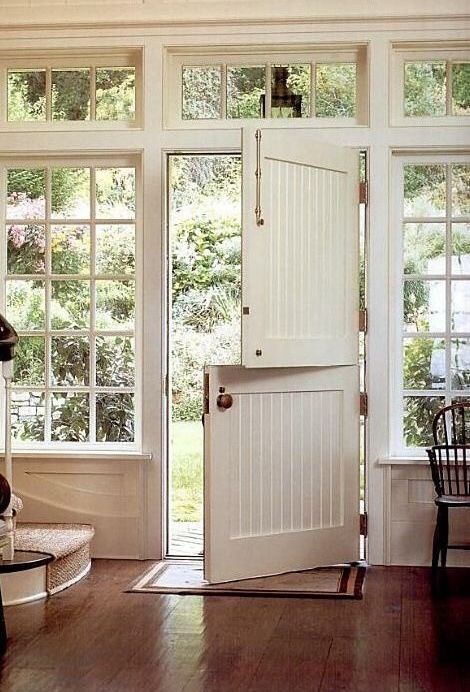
[[95, 637]]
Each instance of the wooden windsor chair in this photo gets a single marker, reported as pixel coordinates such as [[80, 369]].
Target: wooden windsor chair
[[450, 467]]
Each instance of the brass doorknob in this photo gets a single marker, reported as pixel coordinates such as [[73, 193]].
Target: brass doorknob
[[224, 401]]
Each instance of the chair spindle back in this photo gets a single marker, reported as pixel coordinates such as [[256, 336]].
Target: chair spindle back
[[450, 466], [451, 425]]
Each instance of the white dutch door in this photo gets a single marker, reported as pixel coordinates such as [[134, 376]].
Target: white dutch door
[[282, 431]]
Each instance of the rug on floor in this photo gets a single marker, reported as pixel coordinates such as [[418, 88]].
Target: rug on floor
[[185, 577]]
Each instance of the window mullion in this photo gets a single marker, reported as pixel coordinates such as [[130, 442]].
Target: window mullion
[[92, 384], [48, 94], [448, 87], [267, 98], [47, 311], [448, 281], [93, 93], [313, 89], [223, 91]]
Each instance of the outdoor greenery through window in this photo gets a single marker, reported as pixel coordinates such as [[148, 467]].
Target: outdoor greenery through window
[[436, 293], [436, 88], [70, 294], [71, 94], [205, 249], [297, 90]]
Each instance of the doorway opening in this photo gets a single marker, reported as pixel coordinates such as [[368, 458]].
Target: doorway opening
[[204, 289], [204, 294]]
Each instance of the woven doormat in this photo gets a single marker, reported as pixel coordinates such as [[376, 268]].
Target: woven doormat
[[185, 577]]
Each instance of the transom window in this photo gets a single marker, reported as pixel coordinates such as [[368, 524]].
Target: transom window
[[292, 91], [435, 314], [70, 294], [431, 84], [229, 85], [68, 89]]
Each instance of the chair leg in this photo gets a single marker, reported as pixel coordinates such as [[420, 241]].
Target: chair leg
[[436, 546], [444, 534]]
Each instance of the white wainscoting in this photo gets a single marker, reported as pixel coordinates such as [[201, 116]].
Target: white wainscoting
[[109, 494], [413, 518]]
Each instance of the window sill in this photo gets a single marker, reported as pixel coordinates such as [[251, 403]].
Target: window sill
[[92, 455], [403, 461]]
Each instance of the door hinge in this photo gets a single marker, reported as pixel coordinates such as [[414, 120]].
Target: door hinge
[[166, 385], [363, 320], [206, 392], [363, 524], [363, 404], [363, 193]]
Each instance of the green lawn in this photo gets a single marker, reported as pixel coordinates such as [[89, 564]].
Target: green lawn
[[186, 470]]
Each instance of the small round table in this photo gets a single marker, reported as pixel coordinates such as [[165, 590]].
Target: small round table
[[22, 560]]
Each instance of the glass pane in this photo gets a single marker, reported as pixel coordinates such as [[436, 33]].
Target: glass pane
[[424, 306], [115, 193], [70, 193], [26, 193], [201, 93], [460, 248], [335, 90], [115, 249], [115, 93], [425, 190], [26, 95], [70, 417], [115, 304], [26, 248], [424, 364], [29, 361], [425, 88], [461, 88], [297, 79], [418, 415], [70, 361], [70, 304], [70, 249], [461, 190], [115, 361], [25, 304], [244, 87], [460, 363], [460, 307], [71, 94], [424, 248], [27, 416], [115, 417]]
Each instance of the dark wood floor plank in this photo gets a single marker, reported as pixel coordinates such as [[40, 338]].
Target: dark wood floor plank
[[96, 637], [292, 663], [435, 633], [363, 663]]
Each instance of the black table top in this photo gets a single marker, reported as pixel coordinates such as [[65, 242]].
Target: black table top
[[24, 559]]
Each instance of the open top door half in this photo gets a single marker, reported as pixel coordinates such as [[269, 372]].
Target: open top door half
[[300, 250], [281, 450]]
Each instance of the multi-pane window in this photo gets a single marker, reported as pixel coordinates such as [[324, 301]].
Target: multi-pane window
[[70, 294], [430, 83], [71, 89], [296, 90], [437, 87], [435, 338], [327, 85]]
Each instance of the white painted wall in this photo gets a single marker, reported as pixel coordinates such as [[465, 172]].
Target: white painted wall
[[48, 12]]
